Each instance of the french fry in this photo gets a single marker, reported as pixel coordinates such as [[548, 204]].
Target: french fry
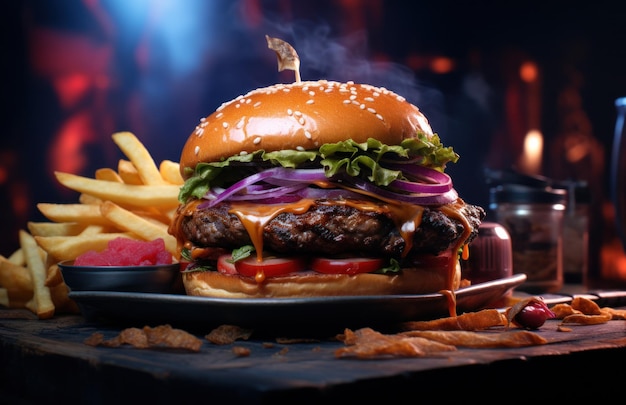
[[139, 155], [41, 303], [170, 171], [17, 257], [93, 230], [138, 201], [60, 291], [128, 172], [70, 247], [157, 217], [78, 213], [162, 196], [54, 228], [16, 279], [134, 223], [108, 174], [89, 199]]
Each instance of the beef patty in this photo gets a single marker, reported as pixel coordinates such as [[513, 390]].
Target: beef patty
[[330, 229]]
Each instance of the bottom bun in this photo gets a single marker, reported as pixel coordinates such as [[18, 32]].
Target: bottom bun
[[310, 284]]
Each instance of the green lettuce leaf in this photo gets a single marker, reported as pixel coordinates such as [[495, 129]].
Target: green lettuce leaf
[[355, 159]]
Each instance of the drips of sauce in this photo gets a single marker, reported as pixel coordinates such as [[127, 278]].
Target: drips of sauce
[[453, 212], [254, 217]]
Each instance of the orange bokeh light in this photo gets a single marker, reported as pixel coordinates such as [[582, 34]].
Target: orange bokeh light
[[441, 64], [529, 72]]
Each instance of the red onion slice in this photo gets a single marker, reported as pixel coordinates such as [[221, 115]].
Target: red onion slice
[[299, 178], [428, 180], [281, 184], [414, 198]]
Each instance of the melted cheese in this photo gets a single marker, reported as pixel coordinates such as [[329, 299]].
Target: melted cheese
[[254, 217]]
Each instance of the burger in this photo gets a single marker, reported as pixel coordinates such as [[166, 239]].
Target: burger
[[319, 188]]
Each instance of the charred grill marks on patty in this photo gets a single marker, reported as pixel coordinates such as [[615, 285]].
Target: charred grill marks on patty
[[330, 229]]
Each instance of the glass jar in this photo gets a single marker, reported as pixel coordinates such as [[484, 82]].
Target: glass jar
[[534, 219]]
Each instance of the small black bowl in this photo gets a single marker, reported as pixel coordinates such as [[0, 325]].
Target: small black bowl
[[160, 278]]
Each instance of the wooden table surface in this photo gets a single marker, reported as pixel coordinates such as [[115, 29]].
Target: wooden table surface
[[47, 361]]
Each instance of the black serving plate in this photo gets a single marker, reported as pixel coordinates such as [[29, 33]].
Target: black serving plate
[[284, 315]]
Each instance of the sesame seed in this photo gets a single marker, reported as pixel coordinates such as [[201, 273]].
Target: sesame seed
[[239, 124], [202, 119], [311, 93], [242, 153], [196, 150], [258, 103], [300, 148], [289, 111], [371, 110], [400, 98], [308, 134], [353, 97], [297, 113], [362, 106], [370, 99], [347, 101], [219, 115], [380, 117], [310, 101], [248, 101], [257, 140], [301, 121], [225, 125]]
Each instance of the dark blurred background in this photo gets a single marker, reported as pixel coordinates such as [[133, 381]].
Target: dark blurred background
[[486, 73]]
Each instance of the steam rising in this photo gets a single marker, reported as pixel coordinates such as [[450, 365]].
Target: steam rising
[[323, 56]]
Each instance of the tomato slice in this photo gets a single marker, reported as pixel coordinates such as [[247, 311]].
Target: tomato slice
[[269, 267], [353, 265], [183, 265], [224, 265]]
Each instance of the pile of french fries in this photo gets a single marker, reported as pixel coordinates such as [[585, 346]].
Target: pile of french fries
[[137, 201]]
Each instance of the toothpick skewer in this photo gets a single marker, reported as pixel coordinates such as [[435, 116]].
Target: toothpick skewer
[[286, 55]]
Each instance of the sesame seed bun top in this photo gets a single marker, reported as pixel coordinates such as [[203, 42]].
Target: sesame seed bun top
[[302, 115]]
